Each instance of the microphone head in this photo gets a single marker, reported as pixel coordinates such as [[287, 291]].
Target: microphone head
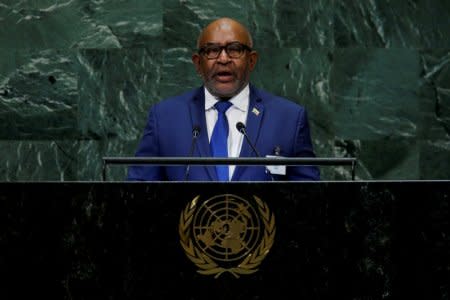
[[196, 130], [240, 127]]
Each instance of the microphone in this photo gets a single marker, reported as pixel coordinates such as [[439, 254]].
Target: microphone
[[195, 134], [241, 128]]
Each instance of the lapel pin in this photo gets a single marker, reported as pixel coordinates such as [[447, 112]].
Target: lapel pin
[[255, 111]]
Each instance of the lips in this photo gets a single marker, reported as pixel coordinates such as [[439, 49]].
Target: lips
[[224, 76]]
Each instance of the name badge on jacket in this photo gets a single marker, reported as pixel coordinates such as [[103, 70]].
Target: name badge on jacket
[[278, 169]]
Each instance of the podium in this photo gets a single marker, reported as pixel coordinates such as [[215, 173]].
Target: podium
[[121, 240]]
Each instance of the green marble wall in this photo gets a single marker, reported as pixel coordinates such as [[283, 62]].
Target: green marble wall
[[77, 78]]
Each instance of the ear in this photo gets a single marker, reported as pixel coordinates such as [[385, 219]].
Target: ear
[[196, 62], [253, 58]]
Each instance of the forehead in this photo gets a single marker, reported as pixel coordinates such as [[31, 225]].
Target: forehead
[[224, 32]]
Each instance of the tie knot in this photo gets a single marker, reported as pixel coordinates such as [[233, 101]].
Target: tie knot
[[222, 106]]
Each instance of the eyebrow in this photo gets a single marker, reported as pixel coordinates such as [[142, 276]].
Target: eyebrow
[[215, 44]]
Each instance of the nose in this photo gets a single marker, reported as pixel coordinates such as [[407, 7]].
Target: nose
[[223, 56]]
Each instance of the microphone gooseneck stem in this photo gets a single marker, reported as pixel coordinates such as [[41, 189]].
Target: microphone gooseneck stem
[[250, 143], [241, 128], [195, 134]]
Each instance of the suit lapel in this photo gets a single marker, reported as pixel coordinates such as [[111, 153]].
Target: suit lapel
[[254, 118], [197, 110]]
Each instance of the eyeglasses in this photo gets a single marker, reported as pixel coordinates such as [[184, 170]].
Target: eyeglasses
[[233, 50]]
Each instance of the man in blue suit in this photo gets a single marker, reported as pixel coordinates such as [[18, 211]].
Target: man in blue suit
[[275, 126]]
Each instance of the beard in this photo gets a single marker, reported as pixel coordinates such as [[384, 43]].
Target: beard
[[225, 89]]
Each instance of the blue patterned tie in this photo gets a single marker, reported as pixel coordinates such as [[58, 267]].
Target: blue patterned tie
[[219, 138]]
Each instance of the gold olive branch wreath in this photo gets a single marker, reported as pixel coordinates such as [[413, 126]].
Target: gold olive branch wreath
[[206, 264]]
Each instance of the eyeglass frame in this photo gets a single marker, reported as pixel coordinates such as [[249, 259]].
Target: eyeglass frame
[[201, 50]]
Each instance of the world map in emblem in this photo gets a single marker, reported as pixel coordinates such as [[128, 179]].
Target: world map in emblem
[[226, 228]]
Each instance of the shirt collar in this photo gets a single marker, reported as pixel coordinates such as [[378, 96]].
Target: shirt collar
[[240, 101]]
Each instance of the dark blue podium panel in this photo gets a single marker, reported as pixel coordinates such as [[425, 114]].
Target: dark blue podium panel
[[311, 240]]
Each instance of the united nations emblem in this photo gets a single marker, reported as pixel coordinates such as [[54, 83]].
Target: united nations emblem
[[227, 233]]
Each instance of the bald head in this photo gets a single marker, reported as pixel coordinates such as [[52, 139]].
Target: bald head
[[227, 73], [225, 26]]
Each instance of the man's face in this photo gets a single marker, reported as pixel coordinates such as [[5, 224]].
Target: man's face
[[225, 76]]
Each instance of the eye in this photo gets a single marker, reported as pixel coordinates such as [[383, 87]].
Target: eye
[[234, 48], [212, 50]]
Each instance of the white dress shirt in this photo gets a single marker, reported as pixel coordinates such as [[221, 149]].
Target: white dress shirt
[[236, 113]]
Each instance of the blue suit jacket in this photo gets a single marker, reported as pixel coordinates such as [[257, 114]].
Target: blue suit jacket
[[271, 122]]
